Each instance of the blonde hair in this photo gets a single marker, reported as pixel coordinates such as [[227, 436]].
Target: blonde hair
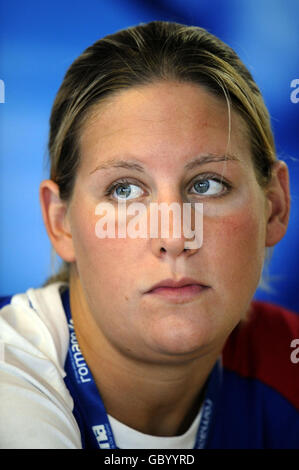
[[140, 55]]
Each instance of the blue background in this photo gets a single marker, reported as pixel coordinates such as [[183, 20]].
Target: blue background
[[39, 40]]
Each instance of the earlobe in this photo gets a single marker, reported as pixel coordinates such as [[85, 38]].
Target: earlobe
[[54, 212], [278, 195]]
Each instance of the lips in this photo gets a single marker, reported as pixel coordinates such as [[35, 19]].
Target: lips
[[178, 291], [185, 281]]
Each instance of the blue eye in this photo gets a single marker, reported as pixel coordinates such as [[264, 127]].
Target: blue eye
[[124, 190], [210, 187]]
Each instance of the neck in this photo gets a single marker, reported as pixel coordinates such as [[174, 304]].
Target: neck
[[158, 399]]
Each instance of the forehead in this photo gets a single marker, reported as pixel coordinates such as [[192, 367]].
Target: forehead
[[160, 118]]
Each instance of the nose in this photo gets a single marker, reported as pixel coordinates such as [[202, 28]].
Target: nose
[[172, 248], [173, 239]]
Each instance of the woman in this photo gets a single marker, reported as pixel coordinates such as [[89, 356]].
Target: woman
[[146, 341]]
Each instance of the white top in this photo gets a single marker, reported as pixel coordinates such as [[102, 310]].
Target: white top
[[35, 404], [128, 438]]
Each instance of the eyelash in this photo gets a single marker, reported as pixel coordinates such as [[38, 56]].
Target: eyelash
[[117, 183], [207, 176], [213, 177]]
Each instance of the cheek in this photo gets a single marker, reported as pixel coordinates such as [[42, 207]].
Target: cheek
[[108, 261], [236, 244]]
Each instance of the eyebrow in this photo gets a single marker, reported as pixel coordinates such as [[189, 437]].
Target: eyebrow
[[210, 158], [195, 162]]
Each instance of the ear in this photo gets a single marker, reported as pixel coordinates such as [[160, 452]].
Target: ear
[[278, 196], [55, 216]]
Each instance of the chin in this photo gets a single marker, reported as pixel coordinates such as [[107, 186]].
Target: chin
[[184, 341]]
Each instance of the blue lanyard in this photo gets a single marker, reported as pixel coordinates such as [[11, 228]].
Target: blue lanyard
[[89, 409]]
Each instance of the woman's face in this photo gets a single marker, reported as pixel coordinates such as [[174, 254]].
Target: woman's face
[[162, 127]]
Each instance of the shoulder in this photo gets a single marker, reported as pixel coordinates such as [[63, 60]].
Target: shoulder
[[37, 317], [261, 348], [33, 346], [34, 333]]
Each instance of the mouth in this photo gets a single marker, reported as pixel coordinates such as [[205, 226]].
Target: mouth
[[182, 291]]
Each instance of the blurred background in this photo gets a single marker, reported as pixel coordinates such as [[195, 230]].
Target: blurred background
[[39, 40]]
